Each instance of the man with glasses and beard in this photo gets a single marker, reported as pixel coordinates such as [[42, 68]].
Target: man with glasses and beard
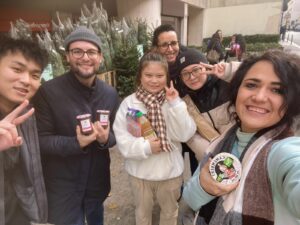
[[76, 165]]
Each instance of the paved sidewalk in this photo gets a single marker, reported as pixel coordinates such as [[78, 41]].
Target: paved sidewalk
[[290, 47]]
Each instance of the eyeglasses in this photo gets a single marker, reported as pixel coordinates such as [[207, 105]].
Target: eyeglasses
[[166, 45], [196, 72], [79, 53]]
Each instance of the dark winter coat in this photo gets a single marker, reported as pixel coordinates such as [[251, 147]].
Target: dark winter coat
[[72, 174], [21, 174]]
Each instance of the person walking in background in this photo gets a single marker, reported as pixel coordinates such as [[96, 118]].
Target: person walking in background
[[22, 191], [215, 44], [155, 164], [263, 91], [76, 164], [283, 32]]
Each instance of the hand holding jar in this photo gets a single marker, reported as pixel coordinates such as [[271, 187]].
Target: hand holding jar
[[88, 132], [85, 139], [102, 132]]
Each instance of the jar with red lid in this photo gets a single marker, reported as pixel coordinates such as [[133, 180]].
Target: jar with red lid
[[103, 118], [85, 123]]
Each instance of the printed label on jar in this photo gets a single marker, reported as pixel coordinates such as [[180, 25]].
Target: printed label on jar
[[225, 168], [103, 117], [86, 125]]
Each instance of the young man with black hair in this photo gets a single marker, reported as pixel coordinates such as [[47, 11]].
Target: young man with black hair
[[22, 191]]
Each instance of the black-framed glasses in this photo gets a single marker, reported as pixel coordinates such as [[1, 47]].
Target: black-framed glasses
[[196, 72], [79, 53], [166, 45]]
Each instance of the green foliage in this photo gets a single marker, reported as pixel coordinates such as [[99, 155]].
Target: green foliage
[[119, 38], [125, 63], [261, 47], [126, 57], [262, 38]]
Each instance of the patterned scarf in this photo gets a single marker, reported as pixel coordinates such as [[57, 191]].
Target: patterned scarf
[[153, 103], [251, 202]]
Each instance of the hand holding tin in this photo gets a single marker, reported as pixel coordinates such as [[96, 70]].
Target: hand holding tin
[[212, 186], [102, 133]]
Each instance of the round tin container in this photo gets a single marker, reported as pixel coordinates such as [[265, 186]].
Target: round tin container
[[225, 168]]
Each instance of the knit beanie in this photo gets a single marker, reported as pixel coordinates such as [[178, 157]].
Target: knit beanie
[[82, 34], [188, 57]]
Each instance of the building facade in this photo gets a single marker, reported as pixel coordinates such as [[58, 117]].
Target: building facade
[[193, 19], [198, 19]]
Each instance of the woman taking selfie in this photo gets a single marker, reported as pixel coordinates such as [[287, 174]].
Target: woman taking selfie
[[264, 92]]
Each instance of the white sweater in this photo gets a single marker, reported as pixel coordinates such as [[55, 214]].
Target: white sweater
[[140, 162]]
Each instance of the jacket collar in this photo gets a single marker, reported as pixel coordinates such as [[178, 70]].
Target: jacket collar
[[84, 90]]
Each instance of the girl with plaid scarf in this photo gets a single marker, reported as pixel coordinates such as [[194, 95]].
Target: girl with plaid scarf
[[155, 165]]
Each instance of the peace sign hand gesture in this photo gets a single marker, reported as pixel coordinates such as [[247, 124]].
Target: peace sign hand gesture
[[8, 131], [218, 69], [171, 93]]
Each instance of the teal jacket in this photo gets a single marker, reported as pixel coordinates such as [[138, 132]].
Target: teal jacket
[[283, 167]]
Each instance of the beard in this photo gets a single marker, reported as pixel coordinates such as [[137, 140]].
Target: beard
[[82, 74]]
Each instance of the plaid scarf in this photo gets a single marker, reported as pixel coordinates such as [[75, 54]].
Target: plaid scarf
[[153, 103]]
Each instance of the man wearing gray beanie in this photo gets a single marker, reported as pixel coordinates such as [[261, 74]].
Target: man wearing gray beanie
[[76, 161]]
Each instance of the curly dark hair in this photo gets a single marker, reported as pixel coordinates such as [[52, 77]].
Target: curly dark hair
[[160, 29], [287, 68], [29, 49]]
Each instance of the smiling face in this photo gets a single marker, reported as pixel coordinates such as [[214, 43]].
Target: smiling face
[[193, 76], [168, 45], [86, 67], [259, 99], [154, 77], [19, 80]]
